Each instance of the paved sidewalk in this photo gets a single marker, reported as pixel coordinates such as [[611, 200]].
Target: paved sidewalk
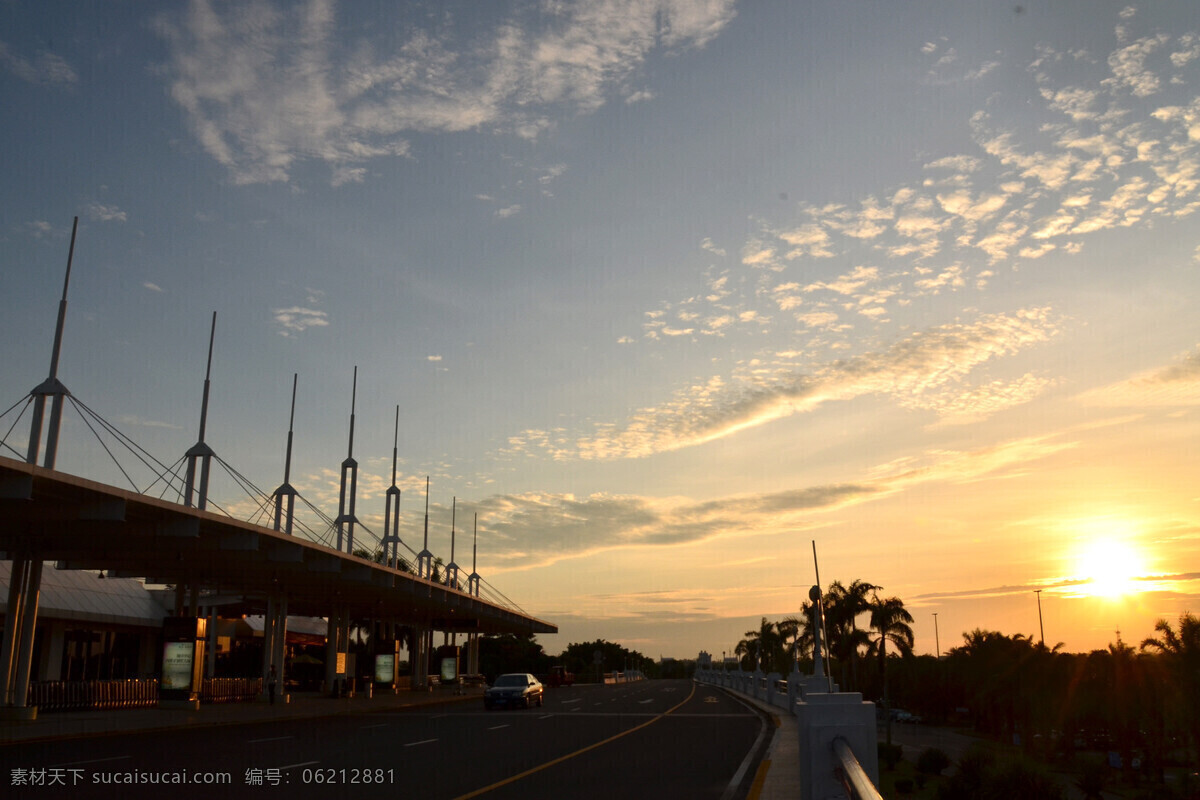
[[778, 775], [82, 724]]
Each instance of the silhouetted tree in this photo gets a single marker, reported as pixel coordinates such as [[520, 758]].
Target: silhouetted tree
[[843, 606], [892, 623], [1180, 651]]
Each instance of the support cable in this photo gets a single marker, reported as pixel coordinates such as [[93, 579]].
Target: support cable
[[28, 400]]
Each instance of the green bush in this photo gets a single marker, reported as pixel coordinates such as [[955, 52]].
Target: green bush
[[932, 761], [889, 755], [980, 776]]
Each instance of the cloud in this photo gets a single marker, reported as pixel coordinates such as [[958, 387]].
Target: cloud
[[129, 419], [1174, 385], [103, 213], [510, 211], [154, 287], [924, 363], [297, 320], [39, 229], [1128, 65], [538, 529], [265, 87], [46, 69]]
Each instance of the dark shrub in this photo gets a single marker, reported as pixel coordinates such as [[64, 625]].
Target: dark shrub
[[982, 777], [932, 761], [890, 755]]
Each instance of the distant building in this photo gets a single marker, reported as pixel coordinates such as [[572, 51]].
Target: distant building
[[98, 628], [91, 628]]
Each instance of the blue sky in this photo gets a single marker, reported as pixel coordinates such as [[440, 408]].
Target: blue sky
[[665, 291]]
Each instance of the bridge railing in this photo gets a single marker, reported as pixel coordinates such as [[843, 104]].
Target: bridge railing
[[838, 748]]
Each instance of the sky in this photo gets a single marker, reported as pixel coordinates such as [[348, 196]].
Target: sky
[[664, 294]]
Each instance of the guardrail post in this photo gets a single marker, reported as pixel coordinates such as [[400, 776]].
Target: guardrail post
[[821, 718]]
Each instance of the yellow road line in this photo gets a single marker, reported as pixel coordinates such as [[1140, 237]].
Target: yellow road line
[[760, 777], [568, 756]]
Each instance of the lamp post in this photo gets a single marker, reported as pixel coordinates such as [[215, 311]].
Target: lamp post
[[1041, 629], [936, 640]]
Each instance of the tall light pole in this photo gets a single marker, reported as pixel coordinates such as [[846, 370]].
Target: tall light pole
[[1041, 629], [936, 641]]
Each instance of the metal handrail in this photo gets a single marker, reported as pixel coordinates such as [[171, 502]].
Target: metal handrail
[[853, 776]]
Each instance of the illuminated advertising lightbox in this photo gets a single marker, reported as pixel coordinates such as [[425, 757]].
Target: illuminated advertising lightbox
[[385, 668], [177, 665], [449, 669]]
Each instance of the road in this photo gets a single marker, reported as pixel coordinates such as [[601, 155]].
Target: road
[[647, 739]]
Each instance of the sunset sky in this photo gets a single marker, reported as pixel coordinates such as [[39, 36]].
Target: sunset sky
[[665, 291]]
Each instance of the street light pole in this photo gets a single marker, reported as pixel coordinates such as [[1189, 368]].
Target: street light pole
[[936, 641], [1041, 628]]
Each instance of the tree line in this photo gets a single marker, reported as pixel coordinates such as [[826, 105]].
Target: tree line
[[1141, 704]]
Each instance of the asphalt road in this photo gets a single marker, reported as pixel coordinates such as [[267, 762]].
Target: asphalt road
[[649, 739]]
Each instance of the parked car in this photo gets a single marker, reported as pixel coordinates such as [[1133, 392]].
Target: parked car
[[512, 690]]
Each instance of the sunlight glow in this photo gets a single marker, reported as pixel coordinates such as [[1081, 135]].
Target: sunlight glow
[[1110, 567]]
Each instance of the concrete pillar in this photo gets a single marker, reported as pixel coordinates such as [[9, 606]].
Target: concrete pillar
[[268, 647], [419, 658], [820, 719], [210, 653], [12, 627], [332, 632], [280, 651], [29, 610], [51, 663]]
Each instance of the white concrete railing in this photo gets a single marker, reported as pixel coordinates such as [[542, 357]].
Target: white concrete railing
[[828, 723]]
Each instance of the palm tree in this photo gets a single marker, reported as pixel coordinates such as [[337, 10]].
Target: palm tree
[[789, 631], [892, 622], [843, 605], [768, 645], [1181, 652]]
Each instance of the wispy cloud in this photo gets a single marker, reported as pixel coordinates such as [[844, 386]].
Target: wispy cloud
[[927, 369], [266, 87], [147, 423], [537, 529], [1174, 385], [45, 68], [1121, 150], [296, 319], [104, 213]]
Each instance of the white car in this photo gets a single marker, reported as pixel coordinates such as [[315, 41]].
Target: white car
[[514, 689]]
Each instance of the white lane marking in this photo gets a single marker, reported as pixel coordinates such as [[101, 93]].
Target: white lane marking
[[643, 702], [301, 764], [272, 739], [576, 700], [545, 716], [423, 741], [368, 727], [92, 761], [497, 727]]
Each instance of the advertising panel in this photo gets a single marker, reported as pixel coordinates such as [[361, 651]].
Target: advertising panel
[[177, 665], [385, 668]]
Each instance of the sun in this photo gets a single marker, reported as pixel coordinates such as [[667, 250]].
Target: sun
[[1110, 567]]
